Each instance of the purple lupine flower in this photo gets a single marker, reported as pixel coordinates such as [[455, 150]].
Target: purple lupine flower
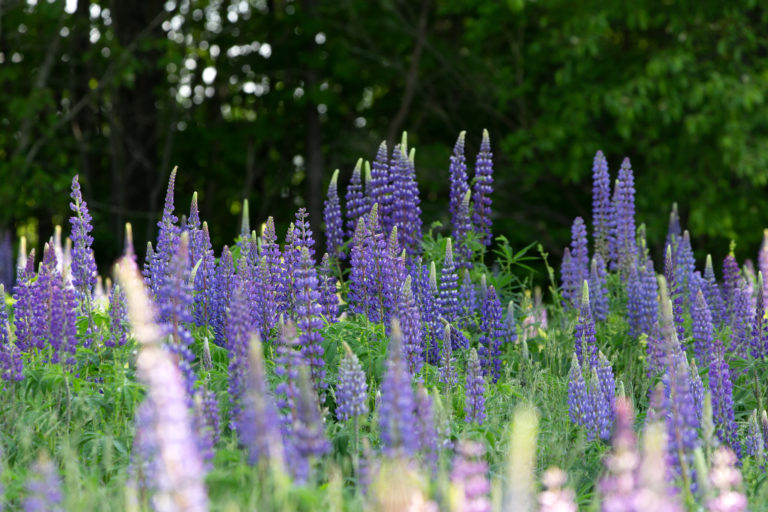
[[685, 265], [725, 478], [674, 231], [288, 360], [352, 389], [174, 304], [461, 233], [636, 481], [310, 322], [606, 388], [44, 488], [334, 223], [411, 325], [762, 261], [397, 405], [204, 432], [492, 335], [180, 475], [265, 298], [759, 331], [554, 498], [448, 300], [118, 318], [580, 404], [205, 276], [11, 365], [712, 293], [676, 293], [304, 234], [459, 186], [258, 423], [308, 439], [406, 212], [619, 485], [679, 405], [585, 337], [360, 262], [649, 305], [378, 189], [356, 201], [211, 413], [730, 281], [625, 216], [721, 389], [482, 188], [741, 319], [52, 323], [569, 279], [475, 389], [23, 304], [470, 473], [682, 418], [238, 334], [754, 441], [83, 262], [382, 282], [579, 259], [167, 242], [329, 300], [271, 250], [597, 287], [222, 295], [448, 374], [601, 206], [426, 430], [702, 330], [425, 292]]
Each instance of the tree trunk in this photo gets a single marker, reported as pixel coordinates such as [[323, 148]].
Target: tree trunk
[[135, 176]]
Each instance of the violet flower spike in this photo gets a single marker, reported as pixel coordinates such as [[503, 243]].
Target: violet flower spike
[[475, 389], [334, 223], [482, 189], [601, 206], [83, 262], [396, 409], [356, 201]]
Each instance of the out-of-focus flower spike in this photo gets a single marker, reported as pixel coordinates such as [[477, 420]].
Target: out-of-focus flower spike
[[334, 223], [475, 391], [554, 498], [181, 477], [470, 475], [352, 388], [396, 409], [518, 492], [44, 487]]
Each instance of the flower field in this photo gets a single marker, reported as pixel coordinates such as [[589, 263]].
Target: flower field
[[408, 367]]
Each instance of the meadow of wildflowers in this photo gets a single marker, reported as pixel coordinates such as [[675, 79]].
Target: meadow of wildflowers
[[402, 368]]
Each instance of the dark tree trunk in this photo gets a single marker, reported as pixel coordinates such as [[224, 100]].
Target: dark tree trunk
[[137, 181]]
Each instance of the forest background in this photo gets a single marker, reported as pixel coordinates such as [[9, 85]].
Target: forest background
[[263, 99]]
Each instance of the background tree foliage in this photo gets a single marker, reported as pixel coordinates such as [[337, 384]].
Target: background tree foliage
[[264, 98]]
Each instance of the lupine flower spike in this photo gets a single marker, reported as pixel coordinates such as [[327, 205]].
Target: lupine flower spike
[[334, 223]]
